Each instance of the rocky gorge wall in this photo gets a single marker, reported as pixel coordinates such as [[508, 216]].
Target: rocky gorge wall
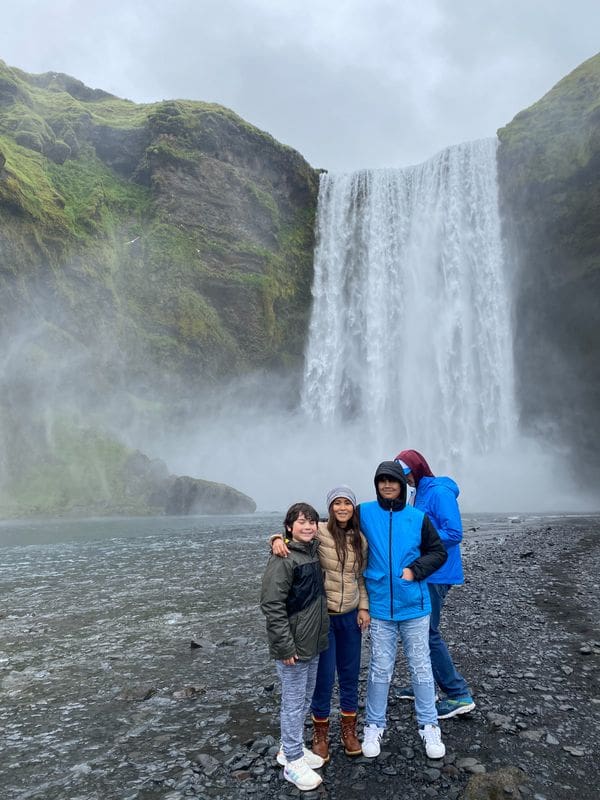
[[549, 174], [146, 252]]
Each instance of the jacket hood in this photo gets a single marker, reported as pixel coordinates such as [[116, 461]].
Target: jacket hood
[[441, 480], [418, 466], [395, 471]]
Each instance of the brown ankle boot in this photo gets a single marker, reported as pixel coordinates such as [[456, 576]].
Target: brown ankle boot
[[350, 741], [320, 741]]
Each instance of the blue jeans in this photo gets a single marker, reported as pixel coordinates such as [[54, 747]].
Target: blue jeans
[[342, 654], [414, 634], [445, 674], [297, 686]]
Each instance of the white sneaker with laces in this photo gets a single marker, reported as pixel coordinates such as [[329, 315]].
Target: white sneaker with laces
[[371, 746], [312, 759], [301, 775], [432, 739]]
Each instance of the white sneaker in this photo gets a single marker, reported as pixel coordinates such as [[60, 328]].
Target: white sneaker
[[432, 738], [301, 775], [371, 746], [312, 759]]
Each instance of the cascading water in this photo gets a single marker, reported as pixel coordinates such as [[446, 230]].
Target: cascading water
[[410, 330]]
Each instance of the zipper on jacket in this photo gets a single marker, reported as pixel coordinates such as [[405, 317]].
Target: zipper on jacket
[[391, 575]]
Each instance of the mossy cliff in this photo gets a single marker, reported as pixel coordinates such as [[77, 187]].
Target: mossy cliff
[[178, 224], [151, 249], [549, 173]]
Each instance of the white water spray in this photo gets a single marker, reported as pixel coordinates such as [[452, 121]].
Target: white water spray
[[410, 330]]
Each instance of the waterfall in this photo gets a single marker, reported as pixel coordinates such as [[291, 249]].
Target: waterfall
[[410, 336]]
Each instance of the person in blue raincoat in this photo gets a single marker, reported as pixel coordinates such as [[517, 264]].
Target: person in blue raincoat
[[404, 549], [437, 497]]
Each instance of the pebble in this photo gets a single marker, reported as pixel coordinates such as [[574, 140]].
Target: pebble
[[574, 751]]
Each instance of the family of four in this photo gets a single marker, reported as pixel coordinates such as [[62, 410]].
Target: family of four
[[386, 565]]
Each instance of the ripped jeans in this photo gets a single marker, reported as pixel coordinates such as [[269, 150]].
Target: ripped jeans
[[414, 634]]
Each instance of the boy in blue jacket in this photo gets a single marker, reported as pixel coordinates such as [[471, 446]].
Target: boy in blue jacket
[[404, 549]]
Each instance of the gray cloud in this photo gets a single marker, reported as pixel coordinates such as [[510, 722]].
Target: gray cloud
[[349, 84]]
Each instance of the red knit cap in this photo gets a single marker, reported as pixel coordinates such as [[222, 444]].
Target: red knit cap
[[418, 466]]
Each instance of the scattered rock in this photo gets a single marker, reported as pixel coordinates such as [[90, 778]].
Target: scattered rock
[[189, 692], [574, 751], [137, 693], [494, 785]]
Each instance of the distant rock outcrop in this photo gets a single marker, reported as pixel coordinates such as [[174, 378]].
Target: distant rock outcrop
[[192, 496], [181, 495], [549, 173], [84, 472]]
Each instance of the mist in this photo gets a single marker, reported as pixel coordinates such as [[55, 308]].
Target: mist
[[251, 433], [278, 455]]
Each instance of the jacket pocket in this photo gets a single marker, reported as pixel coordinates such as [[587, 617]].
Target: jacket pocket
[[407, 594]]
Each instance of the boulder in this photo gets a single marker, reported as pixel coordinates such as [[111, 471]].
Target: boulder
[[194, 496], [496, 785]]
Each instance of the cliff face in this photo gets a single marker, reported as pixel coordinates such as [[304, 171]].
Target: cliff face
[[181, 227], [146, 251], [549, 173]]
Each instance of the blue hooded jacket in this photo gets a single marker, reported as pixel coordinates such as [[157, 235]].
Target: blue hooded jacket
[[399, 536], [437, 497]]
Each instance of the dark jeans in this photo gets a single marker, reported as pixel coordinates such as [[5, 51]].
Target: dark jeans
[[342, 654], [445, 674]]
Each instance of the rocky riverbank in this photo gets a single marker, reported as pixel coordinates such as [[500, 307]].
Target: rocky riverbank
[[101, 695], [525, 632]]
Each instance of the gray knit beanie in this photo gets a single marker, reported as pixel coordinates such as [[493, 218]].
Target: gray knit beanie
[[341, 491]]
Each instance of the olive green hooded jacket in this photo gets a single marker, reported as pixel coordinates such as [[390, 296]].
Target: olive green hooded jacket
[[294, 604]]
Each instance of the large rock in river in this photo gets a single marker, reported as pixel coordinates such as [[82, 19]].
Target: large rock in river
[[192, 496]]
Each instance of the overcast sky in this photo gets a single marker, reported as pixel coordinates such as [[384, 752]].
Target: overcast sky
[[348, 83]]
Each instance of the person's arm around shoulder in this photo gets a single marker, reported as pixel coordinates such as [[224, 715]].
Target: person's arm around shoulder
[[433, 552], [278, 545], [276, 584]]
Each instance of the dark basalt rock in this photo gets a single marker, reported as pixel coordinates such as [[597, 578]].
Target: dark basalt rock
[[193, 496], [181, 495]]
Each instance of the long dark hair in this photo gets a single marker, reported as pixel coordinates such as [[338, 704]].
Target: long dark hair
[[342, 537]]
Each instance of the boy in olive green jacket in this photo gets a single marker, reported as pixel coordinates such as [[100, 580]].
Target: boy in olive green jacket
[[294, 604]]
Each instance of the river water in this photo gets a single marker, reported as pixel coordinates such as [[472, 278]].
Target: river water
[[96, 610], [99, 614]]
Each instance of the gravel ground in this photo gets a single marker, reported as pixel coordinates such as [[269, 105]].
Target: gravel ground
[[525, 631]]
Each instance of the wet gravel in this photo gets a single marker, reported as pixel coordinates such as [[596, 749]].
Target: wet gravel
[[133, 665]]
